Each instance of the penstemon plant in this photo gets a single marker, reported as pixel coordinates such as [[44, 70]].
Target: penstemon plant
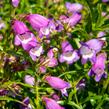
[[54, 54]]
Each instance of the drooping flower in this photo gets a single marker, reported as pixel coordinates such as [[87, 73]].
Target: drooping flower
[[15, 3], [29, 80], [68, 54], [73, 7], [89, 49], [58, 84], [98, 68], [51, 104]]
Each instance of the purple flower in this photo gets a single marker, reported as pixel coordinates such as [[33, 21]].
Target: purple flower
[[89, 49], [29, 80], [15, 3], [98, 67], [51, 104], [36, 52], [74, 19], [73, 7], [37, 21], [23, 35], [19, 27], [58, 84], [27, 40], [68, 54]]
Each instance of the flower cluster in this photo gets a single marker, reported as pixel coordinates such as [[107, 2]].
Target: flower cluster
[[51, 56]]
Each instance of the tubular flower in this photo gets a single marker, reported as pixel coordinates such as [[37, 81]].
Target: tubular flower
[[36, 52], [19, 27], [51, 104], [98, 67], [73, 7], [58, 84], [15, 3], [23, 36], [74, 19], [41, 24], [68, 54], [37, 21], [89, 49], [27, 40]]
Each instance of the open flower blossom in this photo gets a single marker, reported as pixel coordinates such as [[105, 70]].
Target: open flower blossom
[[73, 7], [89, 49], [51, 104], [15, 3], [36, 52], [23, 36], [27, 40], [29, 80], [68, 54], [58, 84], [98, 67]]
